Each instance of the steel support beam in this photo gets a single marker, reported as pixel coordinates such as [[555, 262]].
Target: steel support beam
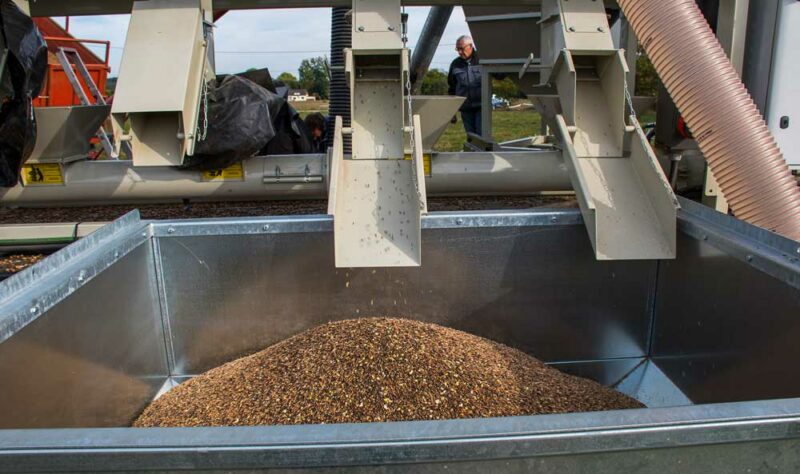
[[427, 44], [762, 25], [109, 7]]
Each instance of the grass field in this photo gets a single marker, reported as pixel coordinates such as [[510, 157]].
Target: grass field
[[305, 108], [506, 125]]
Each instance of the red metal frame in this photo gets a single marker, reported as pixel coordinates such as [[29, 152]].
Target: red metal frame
[[57, 90], [90, 41]]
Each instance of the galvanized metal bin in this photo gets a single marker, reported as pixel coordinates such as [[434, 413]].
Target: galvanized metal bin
[[708, 341]]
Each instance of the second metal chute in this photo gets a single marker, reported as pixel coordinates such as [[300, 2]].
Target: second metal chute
[[627, 204]]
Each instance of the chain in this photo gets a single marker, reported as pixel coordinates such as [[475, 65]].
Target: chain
[[629, 99], [412, 142], [202, 135]]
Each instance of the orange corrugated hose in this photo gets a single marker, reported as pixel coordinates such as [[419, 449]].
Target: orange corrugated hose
[[728, 127]]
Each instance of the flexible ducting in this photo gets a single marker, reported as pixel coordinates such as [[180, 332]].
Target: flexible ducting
[[341, 38], [731, 133]]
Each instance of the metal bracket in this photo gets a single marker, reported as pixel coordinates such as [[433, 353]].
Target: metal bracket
[[293, 178]]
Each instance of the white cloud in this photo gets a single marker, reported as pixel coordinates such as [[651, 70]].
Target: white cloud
[[278, 39]]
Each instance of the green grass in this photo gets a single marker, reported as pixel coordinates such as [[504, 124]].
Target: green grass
[[306, 108], [649, 117], [506, 125]]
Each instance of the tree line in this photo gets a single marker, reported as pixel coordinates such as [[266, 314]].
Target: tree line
[[435, 83], [314, 76]]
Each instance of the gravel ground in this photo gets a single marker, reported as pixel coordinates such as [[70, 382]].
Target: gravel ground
[[10, 264], [16, 262], [375, 370], [255, 208]]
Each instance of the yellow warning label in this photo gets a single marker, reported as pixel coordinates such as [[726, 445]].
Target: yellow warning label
[[426, 162], [231, 173], [42, 174]]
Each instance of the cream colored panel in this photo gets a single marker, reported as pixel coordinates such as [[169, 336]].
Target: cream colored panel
[[157, 62], [377, 215], [596, 135], [629, 210], [377, 120], [160, 80], [376, 24], [585, 25]]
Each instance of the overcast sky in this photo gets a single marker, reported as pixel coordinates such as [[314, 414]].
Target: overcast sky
[[277, 39]]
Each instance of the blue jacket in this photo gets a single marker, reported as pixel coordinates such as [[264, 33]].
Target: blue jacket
[[464, 79]]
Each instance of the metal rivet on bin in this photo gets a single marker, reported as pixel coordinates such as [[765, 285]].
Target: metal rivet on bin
[[749, 258], [459, 221], [171, 230], [34, 309], [266, 227], [554, 219]]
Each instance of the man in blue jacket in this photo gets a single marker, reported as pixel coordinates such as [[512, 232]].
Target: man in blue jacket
[[464, 79]]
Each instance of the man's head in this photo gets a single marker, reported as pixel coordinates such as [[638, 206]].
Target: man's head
[[465, 47], [316, 124]]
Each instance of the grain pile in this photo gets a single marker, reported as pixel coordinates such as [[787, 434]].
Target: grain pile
[[14, 263], [370, 370]]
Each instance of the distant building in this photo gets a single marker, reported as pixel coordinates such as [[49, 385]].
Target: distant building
[[300, 95]]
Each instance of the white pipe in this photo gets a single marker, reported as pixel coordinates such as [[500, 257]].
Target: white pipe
[[301, 177]]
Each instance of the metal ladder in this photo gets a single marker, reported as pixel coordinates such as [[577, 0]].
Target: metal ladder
[[63, 55]]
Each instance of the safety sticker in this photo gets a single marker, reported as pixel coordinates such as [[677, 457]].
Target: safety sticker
[[42, 174], [231, 173], [426, 162]]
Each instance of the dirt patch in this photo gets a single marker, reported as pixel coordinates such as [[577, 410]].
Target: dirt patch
[[373, 370]]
